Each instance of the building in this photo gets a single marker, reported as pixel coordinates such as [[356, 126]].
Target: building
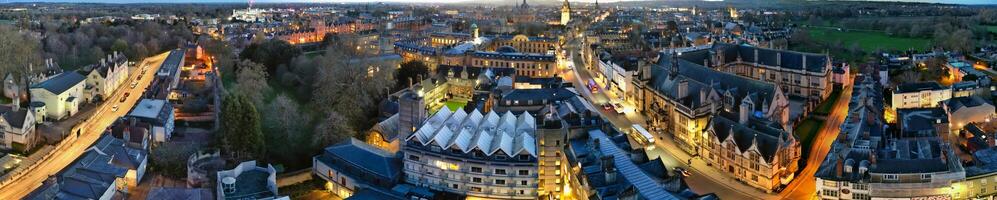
[[159, 114], [919, 95], [529, 56], [599, 167], [868, 162], [565, 13], [169, 71], [18, 125], [965, 110], [797, 73], [474, 154], [106, 76], [107, 170], [58, 97], [679, 97], [247, 181], [354, 165], [756, 152]]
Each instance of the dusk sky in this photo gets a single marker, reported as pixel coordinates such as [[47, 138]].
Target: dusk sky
[[413, 1]]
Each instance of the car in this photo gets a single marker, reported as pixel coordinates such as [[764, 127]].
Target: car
[[682, 171], [123, 98], [114, 109], [618, 107], [607, 106], [134, 84]]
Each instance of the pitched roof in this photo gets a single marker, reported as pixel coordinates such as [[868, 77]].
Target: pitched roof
[[365, 157], [61, 82], [488, 133]]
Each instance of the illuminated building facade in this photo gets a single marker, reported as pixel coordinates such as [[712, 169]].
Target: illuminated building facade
[[474, 154]]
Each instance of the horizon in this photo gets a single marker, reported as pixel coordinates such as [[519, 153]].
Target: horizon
[[960, 2]]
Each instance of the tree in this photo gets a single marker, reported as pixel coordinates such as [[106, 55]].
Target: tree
[[270, 53], [119, 46], [171, 159], [241, 136], [349, 83], [251, 81], [286, 126], [410, 71], [331, 130], [18, 51]]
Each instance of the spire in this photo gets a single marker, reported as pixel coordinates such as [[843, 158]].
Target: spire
[[674, 70]]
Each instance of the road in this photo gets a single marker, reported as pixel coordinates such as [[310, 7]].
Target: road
[[704, 179], [66, 153], [804, 185]]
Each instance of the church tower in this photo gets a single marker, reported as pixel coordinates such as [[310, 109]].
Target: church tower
[[565, 13]]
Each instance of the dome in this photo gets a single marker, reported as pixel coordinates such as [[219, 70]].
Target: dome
[[506, 49]]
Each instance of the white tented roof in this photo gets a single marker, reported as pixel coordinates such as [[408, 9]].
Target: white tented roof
[[488, 132]]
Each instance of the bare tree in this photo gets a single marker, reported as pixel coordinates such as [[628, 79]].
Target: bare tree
[[334, 128], [251, 81]]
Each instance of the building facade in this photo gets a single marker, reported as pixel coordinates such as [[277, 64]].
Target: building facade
[[59, 96], [919, 95], [474, 154]]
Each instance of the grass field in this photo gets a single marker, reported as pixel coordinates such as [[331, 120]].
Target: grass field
[[868, 41], [453, 105], [825, 107], [807, 131], [992, 29]]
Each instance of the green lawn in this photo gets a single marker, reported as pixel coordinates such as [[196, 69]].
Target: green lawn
[[807, 132], [825, 107], [868, 41], [992, 29], [452, 105]]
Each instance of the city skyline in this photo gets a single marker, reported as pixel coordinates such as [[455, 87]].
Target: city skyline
[[966, 2]]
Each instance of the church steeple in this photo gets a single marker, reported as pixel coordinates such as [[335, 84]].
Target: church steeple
[[565, 13], [524, 5]]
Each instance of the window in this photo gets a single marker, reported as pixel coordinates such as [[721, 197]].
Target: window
[[475, 189], [860, 186], [926, 176], [524, 172], [524, 157], [500, 157], [890, 176], [499, 182], [522, 192], [454, 186], [476, 169], [830, 192], [413, 157], [476, 179], [860, 196], [523, 182], [500, 171]]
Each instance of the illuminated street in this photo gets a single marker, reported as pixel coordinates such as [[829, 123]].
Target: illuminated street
[[802, 186], [91, 129]]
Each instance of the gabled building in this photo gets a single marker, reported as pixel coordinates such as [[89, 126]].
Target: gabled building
[[353, 166], [18, 125], [757, 152], [107, 170], [474, 154], [158, 113], [106, 76], [58, 97]]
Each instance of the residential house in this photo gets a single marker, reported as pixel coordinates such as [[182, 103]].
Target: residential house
[[158, 113], [106, 76], [58, 97]]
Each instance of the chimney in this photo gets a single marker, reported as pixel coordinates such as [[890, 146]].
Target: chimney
[[744, 113], [872, 159], [848, 166], [683, 89], [838, 165], [609, 169]]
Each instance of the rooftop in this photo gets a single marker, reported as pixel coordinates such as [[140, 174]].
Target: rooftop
[[918, 86], [488, 133], [61, 82]]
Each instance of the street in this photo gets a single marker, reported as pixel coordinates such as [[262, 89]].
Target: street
[[706, 179], [67, 151], [803, 187]]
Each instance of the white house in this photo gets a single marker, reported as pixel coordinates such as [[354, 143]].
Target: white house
[[920, 95], [105, 77], [60, 96], [157, 112], [18, 125]]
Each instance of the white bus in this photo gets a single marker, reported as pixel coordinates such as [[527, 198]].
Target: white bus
[[643, 136]]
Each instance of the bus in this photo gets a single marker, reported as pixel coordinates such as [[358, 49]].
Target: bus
[[643, 136]]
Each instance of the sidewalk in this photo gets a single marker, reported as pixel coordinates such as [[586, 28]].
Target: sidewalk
[[704, 179]]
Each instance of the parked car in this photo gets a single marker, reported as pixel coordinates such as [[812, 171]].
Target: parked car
[[618, 107], [114, 109], [607, 106], [124, 97]]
